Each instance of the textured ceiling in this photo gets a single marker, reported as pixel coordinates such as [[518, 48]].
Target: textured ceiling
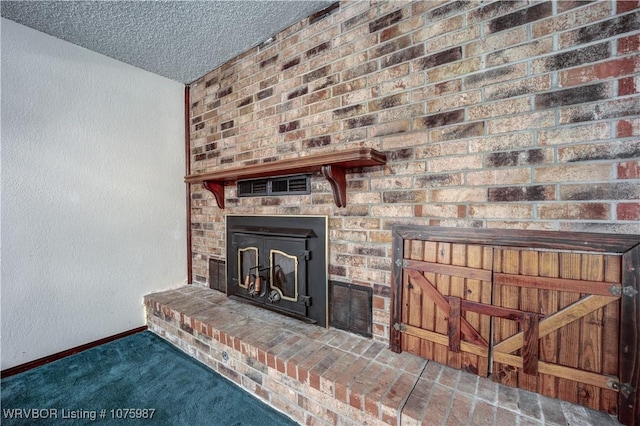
[[181, 40]]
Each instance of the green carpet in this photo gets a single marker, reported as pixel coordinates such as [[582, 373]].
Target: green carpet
[[139, 372]]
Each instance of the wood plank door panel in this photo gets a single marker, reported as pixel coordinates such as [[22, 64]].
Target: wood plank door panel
[[436, 277], [562, 309], [578, 359]]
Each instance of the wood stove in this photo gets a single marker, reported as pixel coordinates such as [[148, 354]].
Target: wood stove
[[279, 263]]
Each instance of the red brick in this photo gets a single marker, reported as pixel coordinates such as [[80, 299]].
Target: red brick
[[389, 419], [460, 410], [398, 392], [628, 211], [371, 407], [291, 370], [262, 393], [626, 5], [627, 86], [262, 356], [341, 393], [378, 302], [314, 380], [271, 360], [625, 129], [363, 382], [303, 375], [413, 410], [437, 411], [616, 68], [630, 44], [373, 397], [483, 414], [629, 170]]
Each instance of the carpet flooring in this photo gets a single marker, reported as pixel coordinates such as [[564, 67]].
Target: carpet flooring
[[136, 380]]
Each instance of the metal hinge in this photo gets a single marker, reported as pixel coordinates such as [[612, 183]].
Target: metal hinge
[[402, 262], [306, 254], [628, 291], [615, 290], [624, 388], [400, 327]]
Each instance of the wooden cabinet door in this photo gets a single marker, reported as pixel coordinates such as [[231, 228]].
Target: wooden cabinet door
[[548, 321], [437, 279], [578, 298], [557, 313]]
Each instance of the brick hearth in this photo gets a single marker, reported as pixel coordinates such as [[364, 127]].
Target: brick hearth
[[321, 376]]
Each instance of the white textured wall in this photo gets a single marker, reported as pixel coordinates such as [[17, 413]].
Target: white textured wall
[[93, 213]]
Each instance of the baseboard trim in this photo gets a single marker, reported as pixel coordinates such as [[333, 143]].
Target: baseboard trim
[[47, 359]]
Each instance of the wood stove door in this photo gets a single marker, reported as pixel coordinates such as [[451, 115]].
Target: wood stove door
[[287, 284], [249, 266]]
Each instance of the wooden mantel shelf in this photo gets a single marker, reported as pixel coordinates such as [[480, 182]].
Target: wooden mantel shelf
[[333, 166]]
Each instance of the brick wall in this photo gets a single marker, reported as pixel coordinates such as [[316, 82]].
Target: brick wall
[[500, 115]]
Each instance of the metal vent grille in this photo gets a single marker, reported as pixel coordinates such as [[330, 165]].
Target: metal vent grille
[[279, 186], [283, 185], [253, 188], [299, 184], [351, 307]]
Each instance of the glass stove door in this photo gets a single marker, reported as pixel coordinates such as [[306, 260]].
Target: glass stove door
[[287, 274], [248, 265]]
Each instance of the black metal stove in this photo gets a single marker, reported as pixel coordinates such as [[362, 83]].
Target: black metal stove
[[279, 263]]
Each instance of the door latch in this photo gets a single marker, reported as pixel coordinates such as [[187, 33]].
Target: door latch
[[304, 300]]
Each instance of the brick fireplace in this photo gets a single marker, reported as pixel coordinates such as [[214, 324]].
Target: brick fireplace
[[485, 122], [498, 115]]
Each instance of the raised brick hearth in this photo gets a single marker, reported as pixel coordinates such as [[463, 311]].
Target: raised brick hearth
[[320, 376]]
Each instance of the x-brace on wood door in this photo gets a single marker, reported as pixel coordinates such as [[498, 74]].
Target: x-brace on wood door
[[545, 320], [434, 291]]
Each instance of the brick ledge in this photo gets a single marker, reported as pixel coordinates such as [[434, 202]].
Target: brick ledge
[[328, 376], [306, 371]]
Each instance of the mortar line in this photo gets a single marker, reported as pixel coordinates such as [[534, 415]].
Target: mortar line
[[404, 401]]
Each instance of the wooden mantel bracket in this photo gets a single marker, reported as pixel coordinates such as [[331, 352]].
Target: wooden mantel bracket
[[336, 176], [217, 189], [333, 166]]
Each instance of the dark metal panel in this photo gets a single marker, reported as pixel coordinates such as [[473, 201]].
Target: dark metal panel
[[217, 279], [350, 307]]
